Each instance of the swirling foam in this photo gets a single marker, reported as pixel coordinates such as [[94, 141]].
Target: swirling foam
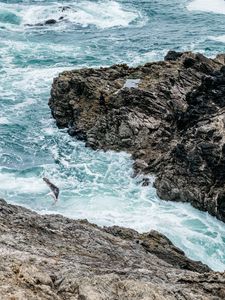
[[215, 6], [98, 186], [22, 185], [104, 14], [4, 121], [100, 14]]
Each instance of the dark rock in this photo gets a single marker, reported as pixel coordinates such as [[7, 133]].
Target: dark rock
[[222, 70], [221, 204], [179, 152], [72, 131], [145, 182], [47, 22], [172, 122], [50, 22], [189, 62], [173, 55]]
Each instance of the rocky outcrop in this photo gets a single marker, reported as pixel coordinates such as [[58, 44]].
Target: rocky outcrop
[[169, 115], [52, 257], [198, 160]]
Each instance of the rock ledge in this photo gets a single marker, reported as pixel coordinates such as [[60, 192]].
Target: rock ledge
[[52, 257]]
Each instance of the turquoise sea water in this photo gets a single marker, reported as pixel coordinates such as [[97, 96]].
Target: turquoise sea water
[[95, 185]]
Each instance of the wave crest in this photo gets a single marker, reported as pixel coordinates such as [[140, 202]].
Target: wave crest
[[102, 14], [215, 6]]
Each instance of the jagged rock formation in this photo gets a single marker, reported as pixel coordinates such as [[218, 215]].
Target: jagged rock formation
[[52, 257], [169, 115]]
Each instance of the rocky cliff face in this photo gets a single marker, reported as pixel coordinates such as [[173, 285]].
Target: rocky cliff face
[[169, 115], [52, 257]]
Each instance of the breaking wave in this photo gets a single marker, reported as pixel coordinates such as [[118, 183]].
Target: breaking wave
[[102, 14], [215, 6]]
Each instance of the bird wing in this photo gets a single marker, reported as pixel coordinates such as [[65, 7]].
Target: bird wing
[[54, 189]]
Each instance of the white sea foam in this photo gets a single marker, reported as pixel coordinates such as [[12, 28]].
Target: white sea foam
[[11, 183], [214, 6], [30, 81], [146, 57], [49, 130], [24, 104], [103, 14], [220, 38], [4, 121], [99, 187], [137, 207]]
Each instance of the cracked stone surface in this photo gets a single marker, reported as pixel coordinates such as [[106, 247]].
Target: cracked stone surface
[[53, 257]]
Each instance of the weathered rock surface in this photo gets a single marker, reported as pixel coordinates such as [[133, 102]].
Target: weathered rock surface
[[171, 121], [52, 257]]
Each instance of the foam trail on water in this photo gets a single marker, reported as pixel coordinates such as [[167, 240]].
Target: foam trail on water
[[147, 57], [102, 14], [215, 6], [21, 185], [99, 186], [4, 121], [220, 38]]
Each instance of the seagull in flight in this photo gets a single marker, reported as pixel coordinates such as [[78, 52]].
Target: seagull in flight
[[54, 189]]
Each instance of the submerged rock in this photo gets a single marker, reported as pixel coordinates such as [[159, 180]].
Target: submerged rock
[[169, 115], [47, 22], [52, 257], [50, 22]]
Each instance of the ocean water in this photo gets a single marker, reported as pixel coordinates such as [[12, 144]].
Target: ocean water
[[95, 185]]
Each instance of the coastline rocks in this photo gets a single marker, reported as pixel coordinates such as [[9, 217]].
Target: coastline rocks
[[173, 55], [171, 119], [199, 157], [53, 257]]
